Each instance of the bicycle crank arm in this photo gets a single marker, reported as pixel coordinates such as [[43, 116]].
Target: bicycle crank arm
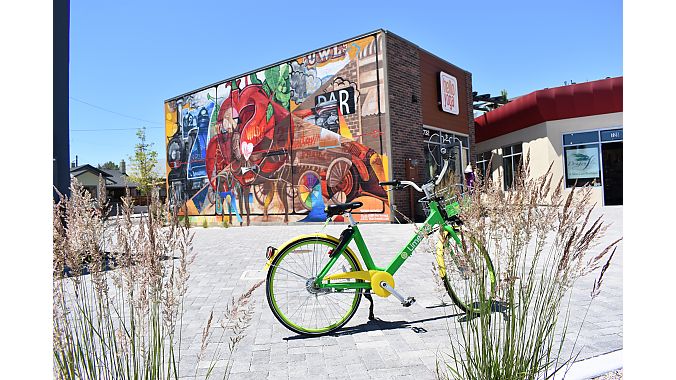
[[406, 302]]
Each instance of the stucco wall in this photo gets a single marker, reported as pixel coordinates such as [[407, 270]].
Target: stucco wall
[[545, 142], [88, 179]]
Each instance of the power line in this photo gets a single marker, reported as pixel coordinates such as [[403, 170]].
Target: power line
[[112, 129], [113, 112]]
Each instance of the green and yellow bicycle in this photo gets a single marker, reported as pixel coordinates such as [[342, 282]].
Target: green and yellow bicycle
[[315, 282]]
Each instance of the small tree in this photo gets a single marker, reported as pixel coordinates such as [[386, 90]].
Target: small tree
[[143, 164], [503, 93], [110, 165]]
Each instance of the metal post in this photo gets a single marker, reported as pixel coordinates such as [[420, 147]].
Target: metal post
[[61, 148]]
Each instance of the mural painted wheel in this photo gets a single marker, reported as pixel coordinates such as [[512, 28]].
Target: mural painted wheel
[[175, 153], [260, 192], [341, 180], [309, 189]]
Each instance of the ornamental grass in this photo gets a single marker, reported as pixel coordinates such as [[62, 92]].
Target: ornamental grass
[[119, 289], [541, 241]]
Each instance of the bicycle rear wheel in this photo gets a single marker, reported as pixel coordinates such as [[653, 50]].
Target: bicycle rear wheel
[[467, 274], [296, 302]]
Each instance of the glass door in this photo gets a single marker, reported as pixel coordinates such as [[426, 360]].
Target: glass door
[[612, 173]]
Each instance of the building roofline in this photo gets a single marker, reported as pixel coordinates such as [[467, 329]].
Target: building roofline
[[597, 97], [215, 84], [86, 167], [387, 32]]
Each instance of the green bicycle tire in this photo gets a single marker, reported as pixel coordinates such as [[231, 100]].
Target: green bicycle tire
[[468, 303], [344, 309]]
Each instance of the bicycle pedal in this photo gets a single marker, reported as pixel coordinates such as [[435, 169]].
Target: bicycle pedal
[[408, 302]]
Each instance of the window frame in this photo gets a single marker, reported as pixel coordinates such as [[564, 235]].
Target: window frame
[[513, 167], [464, 154], [599, 143], [484, 163]]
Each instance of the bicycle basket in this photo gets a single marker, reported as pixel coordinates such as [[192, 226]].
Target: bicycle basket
[[446, 197]]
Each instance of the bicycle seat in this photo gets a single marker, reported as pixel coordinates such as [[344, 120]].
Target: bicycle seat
[[341, 208]]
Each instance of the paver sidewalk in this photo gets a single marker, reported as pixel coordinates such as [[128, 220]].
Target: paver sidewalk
[[404, 344]]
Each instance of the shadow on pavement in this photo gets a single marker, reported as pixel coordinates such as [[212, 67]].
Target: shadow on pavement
[[496, 307], [380, 325]]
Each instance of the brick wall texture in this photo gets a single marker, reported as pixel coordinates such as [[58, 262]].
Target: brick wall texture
[[403, 75]]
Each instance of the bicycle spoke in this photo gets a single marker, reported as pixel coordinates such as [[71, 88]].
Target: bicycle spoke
[[301, 306], [293, 273]]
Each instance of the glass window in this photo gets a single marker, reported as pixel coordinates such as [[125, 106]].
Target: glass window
[[462, 163], [430, 136], [433, 157], [517, 149], [483, 164], [583, 165], [580, 138], [511, 163], [465, 141]]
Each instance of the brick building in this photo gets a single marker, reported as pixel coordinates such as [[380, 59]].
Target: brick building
[[279, 143]]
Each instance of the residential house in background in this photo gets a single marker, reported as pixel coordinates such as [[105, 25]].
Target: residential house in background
[[116, 181]]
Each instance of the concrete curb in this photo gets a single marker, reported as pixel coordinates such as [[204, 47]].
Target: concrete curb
[[592, 367]]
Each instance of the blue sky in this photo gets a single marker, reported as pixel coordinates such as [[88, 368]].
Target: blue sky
[[127, 57]]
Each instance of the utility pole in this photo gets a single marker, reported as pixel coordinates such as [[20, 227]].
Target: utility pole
[[61, 149]]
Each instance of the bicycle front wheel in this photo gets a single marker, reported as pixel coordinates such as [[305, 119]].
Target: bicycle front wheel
[[467, 274], [296, 302]]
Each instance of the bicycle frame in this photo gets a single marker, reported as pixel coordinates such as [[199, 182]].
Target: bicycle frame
[[435, 218]]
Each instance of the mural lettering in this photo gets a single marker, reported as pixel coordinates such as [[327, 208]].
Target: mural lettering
[[322, 56], [344, 97]]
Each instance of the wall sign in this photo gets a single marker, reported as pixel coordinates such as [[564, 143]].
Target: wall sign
[[449, 93], [582, 162], [611, 135], [344, 97]]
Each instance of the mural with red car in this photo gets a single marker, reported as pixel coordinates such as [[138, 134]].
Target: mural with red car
[[280, 144]]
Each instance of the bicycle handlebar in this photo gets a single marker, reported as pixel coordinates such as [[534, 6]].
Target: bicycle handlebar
[[442, 174], [397, 184], [412, 184], [427, 188]]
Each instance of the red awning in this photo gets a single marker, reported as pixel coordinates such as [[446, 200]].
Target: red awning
[[577, 100]]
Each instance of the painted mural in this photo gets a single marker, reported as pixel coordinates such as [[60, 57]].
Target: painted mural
[[280, 144]]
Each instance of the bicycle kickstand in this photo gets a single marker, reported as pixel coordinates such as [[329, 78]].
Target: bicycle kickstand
[[369, 297]]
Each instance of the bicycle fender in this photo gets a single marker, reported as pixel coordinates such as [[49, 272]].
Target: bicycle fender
[[310, 236], [443, 239]]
